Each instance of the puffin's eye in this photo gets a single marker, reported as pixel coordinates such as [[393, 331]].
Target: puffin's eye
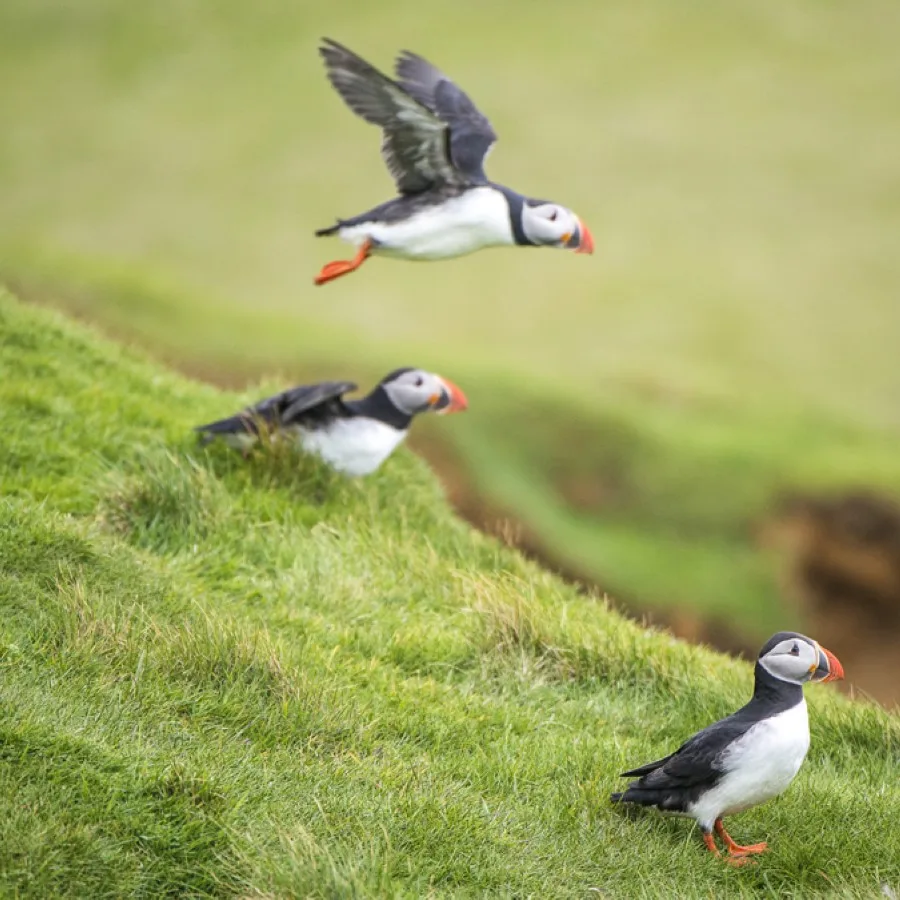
[[420, 381], [553, 216], [795, 650]]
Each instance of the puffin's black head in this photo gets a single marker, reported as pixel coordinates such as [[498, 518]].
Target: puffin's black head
[[549, 224], [414, 391], [796, 658]]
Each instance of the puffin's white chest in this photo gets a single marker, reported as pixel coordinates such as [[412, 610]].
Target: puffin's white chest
[[760, 765], [476, 219], [352, 446]]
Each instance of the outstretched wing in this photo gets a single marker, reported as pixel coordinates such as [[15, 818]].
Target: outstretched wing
[[471, 134], [309, 401], [414, 143]]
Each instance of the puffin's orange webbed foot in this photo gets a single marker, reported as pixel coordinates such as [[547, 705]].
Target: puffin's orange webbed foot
[[333, 270], [735, 849], [749, 850], [732, 860]]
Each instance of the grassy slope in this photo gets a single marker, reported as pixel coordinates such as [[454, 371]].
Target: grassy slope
[[256, 678], [736, 164], [678, 486]]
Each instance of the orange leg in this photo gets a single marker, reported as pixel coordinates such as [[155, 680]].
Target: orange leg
[[710, 842], [333, 270], [736, 849]]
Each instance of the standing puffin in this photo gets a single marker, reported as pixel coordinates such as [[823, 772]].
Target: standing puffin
[[747, 758], [434, 144], [353, 436]]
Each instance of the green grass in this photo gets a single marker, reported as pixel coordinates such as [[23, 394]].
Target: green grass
[[163, 167], [675, 490], [254, 678]]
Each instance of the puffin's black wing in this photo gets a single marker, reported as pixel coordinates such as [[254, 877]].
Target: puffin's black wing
[[308, 403], [414, 144], [471, 134], [674, 781]]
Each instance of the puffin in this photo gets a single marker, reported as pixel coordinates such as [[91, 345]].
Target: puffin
[[747, 758], [434, 143], [353, 437]]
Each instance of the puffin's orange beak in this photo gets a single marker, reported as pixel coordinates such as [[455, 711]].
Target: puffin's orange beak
[[829, 667], [582, 241], [450, 400]]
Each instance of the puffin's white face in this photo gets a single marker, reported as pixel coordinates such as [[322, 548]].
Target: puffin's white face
[[556, 226], [799, 659], [414, 390]]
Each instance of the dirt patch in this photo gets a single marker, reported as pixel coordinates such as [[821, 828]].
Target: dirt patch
[[588, 492], [841, 564]]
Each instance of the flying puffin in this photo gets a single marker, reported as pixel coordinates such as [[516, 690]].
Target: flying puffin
[[434, 143], [747, 758], [353, 436]]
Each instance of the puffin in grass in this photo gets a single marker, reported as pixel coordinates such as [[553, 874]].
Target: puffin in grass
[[434, 142], [747, 758], [353, 437]]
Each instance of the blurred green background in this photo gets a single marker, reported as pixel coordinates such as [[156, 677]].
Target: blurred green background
[[163, 167]]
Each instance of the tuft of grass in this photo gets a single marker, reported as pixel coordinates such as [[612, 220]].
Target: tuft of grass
[[249, 677], [169, 499]]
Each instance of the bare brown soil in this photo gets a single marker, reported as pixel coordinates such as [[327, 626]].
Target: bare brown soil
[[841, 565]]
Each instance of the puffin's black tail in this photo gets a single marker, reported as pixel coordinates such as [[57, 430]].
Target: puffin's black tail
[[636, 795], [233, 425], [665, 800], [331, 229]]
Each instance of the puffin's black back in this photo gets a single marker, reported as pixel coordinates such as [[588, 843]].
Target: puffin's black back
[[399, 209]]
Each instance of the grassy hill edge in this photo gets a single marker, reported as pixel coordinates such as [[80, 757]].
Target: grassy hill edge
[[258, 679], [656, 499]]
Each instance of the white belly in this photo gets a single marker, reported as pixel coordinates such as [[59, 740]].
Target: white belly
[[761, 765], [352, 446], [479, 218]]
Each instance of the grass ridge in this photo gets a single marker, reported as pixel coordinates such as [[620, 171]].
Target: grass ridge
[[653, 497]]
